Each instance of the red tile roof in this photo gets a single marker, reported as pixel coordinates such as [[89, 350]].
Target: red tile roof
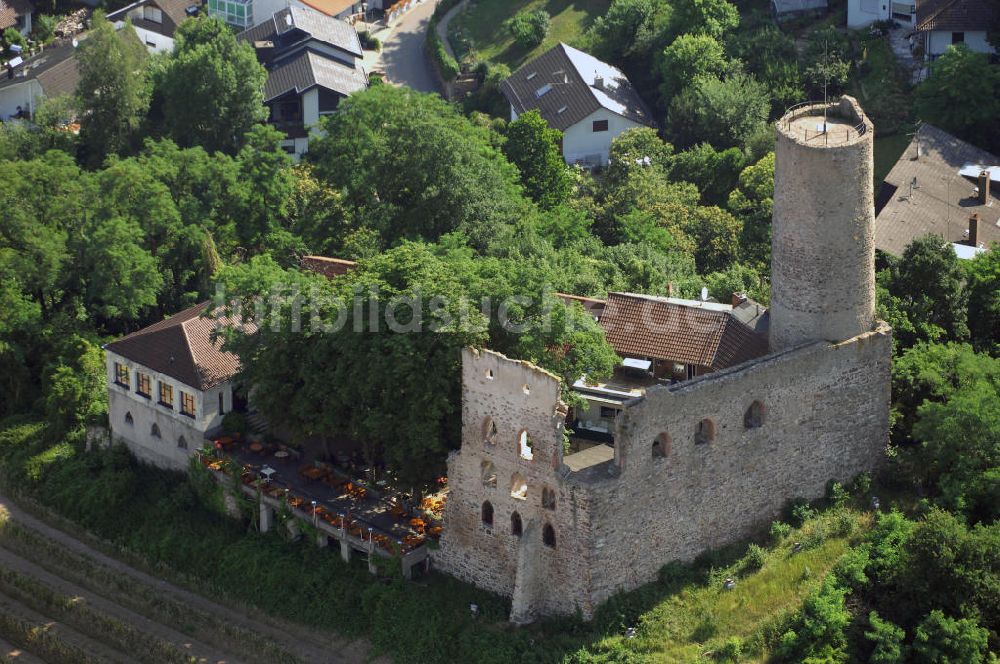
[[181, 347], [328, 267], [955, 15], [689, 332]]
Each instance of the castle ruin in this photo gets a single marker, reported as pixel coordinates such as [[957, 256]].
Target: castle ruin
[[704, 452]]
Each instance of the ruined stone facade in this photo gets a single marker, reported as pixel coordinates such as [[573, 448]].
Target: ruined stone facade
[[696, 464]]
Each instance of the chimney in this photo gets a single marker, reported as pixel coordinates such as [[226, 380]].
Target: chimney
[[598, 81], [670, 289], [974, 229], [738, 299], [984, 187]]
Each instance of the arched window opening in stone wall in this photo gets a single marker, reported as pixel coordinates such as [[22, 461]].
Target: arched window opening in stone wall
[[548, 498], [518, 487], [154, 431], [661, 446], [489, 431], [704, 433], [128, 419], [754, 417], [525, 445], [515, 524], [182, 443], [549, 536], [489, 474], [488, 514]]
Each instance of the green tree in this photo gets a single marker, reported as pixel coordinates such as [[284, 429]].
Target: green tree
[[935, 372], [716, 234], [928, 281], [112, 93], [210, 92], [950, 567], [738, 278], [629, 28], [753, 202], [983, 292], [77, 390], [709, 17], [714, 173], [960, 451], [723, 113], [121, 276], [446, 173], [887, 639], [535, 149], [940, 639], [373, 382], [687, 58], [942, 98], [769, 53], [528, 28], [635, 149]]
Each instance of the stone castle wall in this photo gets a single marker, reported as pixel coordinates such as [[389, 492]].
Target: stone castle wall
[[824, 416], [517, 397]]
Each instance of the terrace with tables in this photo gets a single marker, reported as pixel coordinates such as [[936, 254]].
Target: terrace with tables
[[365, 515]]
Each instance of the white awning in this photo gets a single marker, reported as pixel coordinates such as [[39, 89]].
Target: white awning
[[635, 363]]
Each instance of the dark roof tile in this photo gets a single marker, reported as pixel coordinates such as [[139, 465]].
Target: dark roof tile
[[182, 347]]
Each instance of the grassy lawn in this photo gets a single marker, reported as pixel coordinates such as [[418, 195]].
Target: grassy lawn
[[701, 617], [480, 27]]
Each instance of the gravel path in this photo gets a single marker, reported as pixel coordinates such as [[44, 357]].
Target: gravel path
[[442, 26], [306, 644]]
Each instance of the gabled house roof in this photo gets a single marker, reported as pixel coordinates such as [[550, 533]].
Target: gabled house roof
[[293, 25], [11, 10], [941, 199], [55, 69], [565, 85], [955, 15], [308, 70], [182, 347], [685, 331]]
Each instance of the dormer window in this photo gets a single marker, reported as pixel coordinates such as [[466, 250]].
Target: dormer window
[[542, 91]]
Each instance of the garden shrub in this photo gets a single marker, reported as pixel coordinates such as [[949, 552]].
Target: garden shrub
[[528, 28]]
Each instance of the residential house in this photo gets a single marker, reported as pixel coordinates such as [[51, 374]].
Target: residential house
[[246, 13], [942, 23], [155, 21], [862, 13], [16, 14], [589, 101], [940, 185], [313, 61], [51, 73], [664, 340], [786, 10], [169, 384]]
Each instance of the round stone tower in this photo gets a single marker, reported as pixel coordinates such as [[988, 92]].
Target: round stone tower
[[823, 244]]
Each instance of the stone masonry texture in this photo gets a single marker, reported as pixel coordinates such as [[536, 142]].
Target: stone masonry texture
[[821, 400]]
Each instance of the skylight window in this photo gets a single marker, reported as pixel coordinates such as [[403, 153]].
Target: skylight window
[[541, 92], [532, 75], [562, 109]]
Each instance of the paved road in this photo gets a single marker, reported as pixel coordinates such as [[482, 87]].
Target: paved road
[[402, 58]]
